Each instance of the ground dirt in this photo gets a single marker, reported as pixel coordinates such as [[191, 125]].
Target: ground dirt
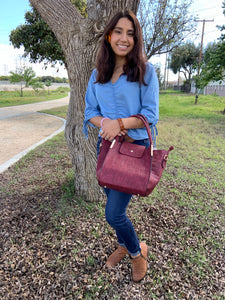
[[54, 245]]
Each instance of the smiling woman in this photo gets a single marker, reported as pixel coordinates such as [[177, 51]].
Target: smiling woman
[[122, 85], [122, 39], [123, 43]]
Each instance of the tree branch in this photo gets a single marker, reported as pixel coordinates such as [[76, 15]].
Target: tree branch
[[99, 11], [105, 9]]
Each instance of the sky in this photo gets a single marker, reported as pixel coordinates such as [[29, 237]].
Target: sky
[[12, 15]]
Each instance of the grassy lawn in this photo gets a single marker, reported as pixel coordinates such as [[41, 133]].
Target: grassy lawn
[[54, 244], [181, 106], [14, 98]]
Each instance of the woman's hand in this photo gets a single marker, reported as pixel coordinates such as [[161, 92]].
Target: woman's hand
[[110, 129]]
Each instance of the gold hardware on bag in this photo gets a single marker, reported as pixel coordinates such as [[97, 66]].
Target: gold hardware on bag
[[113, 142], [151, 150]]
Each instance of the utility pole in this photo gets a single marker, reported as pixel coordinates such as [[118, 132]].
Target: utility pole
[[200, 53], [167, 79], [165, 72]]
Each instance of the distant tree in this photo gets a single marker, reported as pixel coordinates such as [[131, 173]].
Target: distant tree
[[205, 76], [36, 85], [24, 76], [184, 59], [48, 83], [157, 68], [58, 80], [46, 78], [213, 68], [4, 78], [165, 24], [213, 63], [28, 76], [220, 51], [17, 77]]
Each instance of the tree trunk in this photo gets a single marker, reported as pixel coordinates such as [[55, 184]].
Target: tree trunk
[[82, 151], [78, 37]]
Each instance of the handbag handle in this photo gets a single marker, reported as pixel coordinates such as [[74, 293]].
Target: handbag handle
[[145, 122]]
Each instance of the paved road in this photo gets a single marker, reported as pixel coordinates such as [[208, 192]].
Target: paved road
[[23, 128]]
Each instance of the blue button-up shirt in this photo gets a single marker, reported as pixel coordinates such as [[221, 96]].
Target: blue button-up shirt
[[123, 99]]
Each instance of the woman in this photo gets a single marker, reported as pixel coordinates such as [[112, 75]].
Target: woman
[[123, 84]]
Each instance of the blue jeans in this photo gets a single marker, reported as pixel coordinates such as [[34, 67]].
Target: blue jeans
[[115, 213]]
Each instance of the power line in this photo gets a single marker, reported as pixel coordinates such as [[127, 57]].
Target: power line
[[208, 8]]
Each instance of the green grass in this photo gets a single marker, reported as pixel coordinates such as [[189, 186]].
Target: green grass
[[14, 98], [182, 106], [58, 111]]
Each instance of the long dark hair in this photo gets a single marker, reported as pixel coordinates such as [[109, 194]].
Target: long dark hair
[[135, 66]]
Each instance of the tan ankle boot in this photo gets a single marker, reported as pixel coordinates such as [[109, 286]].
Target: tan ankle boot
[[116, 256], [139, 264]]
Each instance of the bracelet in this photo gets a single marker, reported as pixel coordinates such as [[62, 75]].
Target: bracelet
[[103, 120], [121, 124]]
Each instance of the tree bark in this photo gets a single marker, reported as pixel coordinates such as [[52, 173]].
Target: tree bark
[[78, 37]]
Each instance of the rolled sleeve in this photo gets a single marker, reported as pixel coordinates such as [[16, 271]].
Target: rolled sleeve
[[92, 108], [150, 96]]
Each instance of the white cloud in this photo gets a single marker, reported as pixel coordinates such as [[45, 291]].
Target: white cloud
[[11, 58]]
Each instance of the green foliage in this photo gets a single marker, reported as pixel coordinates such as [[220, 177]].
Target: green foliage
[[28, 76], [36, 85], [39, 42], [185, 59], [213, 68], [4, 78], [48, 83], [81, 5], [204, 75], [16, 76], [52, 79], [23, 75], [60, 80]]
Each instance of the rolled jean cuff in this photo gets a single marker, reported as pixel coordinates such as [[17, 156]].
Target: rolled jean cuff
[[136, 253]]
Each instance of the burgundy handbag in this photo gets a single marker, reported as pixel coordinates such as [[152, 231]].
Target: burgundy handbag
[[128, 167]]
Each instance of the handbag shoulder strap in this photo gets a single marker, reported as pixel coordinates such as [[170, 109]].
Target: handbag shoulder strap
[[145, 122]]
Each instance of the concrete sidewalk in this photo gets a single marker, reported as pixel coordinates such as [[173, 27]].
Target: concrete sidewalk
[[23, 128]]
